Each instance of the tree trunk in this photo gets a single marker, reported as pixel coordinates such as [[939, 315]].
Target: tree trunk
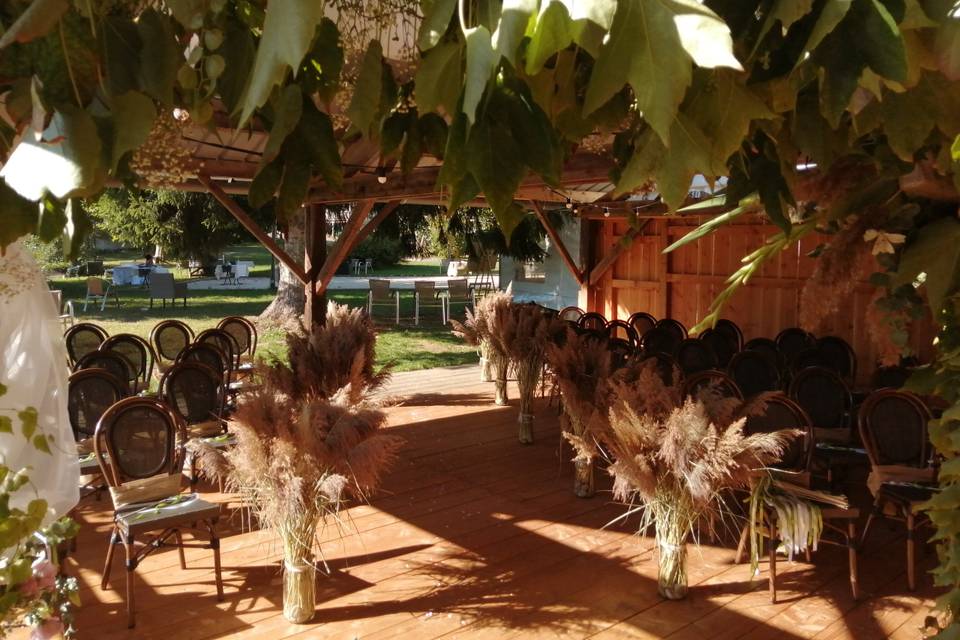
[[287, 305]]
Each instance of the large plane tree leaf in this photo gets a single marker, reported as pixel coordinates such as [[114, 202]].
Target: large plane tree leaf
[[439, 78], [133, 117], [288, 31], [365, 103], [934, 253], [481, 61]]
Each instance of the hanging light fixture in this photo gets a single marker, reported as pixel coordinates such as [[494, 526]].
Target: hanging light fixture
[[382, 174], [606, 212], [569, 204]]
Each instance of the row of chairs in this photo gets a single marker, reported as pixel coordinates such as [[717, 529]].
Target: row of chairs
[[425, 296]]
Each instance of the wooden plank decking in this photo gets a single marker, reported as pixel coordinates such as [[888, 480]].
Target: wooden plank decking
[[477, 536]]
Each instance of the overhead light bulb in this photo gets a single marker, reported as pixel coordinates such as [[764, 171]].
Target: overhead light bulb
[[382, 175], [569, 204], [606, 212]]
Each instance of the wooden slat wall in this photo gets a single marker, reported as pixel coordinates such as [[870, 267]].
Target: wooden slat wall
[[682, 284]]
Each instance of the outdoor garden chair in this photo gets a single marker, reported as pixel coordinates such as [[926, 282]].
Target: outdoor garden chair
[[673, 326], [138, 352], [83, 338], [893, 427], [641, 321], [810, 357], [592, 321], [570, 314], [94, 268], [754, 373], [139, 444], [111, 362], [380, 295], [367, 266], [169, 338], [64, 309], [227, 274], [667, 367], [209, 354], [768, 348], [458, 292], [620, 352], [99, 290], [790, 342], [840, 355], [244, 334], [425, 296], [721, 344], [694, 356], [731, 331], [839, 522], [164, 287], [659, 340], [622, 330], [223, 341], [718, 381], [90, 392], [197, 393]]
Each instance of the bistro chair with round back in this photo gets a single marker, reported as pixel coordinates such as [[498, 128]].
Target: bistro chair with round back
[[660, 340], [675, 327], [731, 331], [768, 348], [210, 355], [810, 357], [667, 368], [718, 381], [111, 362], [138, 352], [622, 330], [90, 392], [694, 356], [169, 338], [790, 342], [244, 334], [641, 321], [793, 470], [840, 355], [572, 314], [592, 321], [620, 351], [83, 338], [196, 392], [754, 372], [223, 341], [139, 444], [720, 344], [828, 401], [893, 427], [892, 377]]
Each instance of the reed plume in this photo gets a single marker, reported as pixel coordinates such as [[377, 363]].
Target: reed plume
[[480, 328]]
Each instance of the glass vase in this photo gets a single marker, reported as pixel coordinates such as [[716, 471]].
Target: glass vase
[[299, 595], [672, 574], [583, 478], [526, 419]]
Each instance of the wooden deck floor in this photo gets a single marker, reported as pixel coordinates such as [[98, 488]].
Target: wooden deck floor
[[475, 535]]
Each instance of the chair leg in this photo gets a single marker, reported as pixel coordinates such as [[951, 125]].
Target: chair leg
[[772, 552], [108, 564], [416, 310], [852, 553], [183, 559], [215, 544], [911, 553], [742, 544], [131, 571], [866, 527], [398, 309]]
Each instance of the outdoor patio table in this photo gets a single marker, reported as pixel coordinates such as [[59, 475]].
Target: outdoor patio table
[[129, 273]]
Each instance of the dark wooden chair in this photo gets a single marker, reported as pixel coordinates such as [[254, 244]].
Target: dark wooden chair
[[209, 354], [571, 313], [839, 355], [243, 332], [892, 377], [731, 331], [754, 372], [791, 341], [592, 321], [675, 327], [641, 321], [195, 391], [622, 330], [721, 344], [768, 348], [667, 367], [893, 427], [621, 351], [83, 338], [169, 338], [717, 380], [660, 340], [111, 362], [223, 341], [694, 355], [138, 352], [90, 392], [139, 444]]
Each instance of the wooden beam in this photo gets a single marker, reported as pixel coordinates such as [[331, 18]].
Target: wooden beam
[[248, 223], [371, 226], [558, 242], [345, 243], [604, 265], [314, 255]]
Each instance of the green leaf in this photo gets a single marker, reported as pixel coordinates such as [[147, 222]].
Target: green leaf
[[133, 117], [239, 51], [6, 424], [454, 166], [909, 118], [481, 62], [3, 389], [327, 54], [509, 218], [707, 228], [295, 182], [599, 12], [76, 229], [436, 20], [412, 150], [514, 17], [553, 32], [40, 443], [265, 183], [288, 31], [786, 12], [160, 55], [36, 21], [933, 252], [365, 103], [433, 132], [28, 421], [18, 216], [121, 54], [286, 114], [189, 13], [531, 128], [316, 133], [52, 219], [438, 78], [392, 131], [69, 154], [830, 16], [493, 158]]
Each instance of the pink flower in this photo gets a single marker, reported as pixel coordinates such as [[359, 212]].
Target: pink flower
[[49, 628], [45, 573]]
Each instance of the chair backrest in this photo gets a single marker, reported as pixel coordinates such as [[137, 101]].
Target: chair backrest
[[731, 331], [169, 338], [780, 412], [139, 438], [717, 380], [572, 314], [380, 289], [90, 392], [83, 338], [459, 289], [209, 354], [823, 395], [893, 427], [694, 355], [667, 367], [754, 372], [425, 288], [620, 351], [892, 377], [242, 331], [194, 390], [161, 285], [593, 321], [223, 341], [112, 362], [660, 340], [673, 326], [641, 321], [792, 341], [96, 286], [622, 330], [721, 344], [135, 349], [839, 354], [767, 347], [811, 357]]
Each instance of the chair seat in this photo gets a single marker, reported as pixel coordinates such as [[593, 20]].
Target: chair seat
[[906, 495], [136, 518], [205, 429], [89, 465]]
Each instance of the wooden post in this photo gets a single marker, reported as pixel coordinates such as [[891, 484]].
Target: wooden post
[[345, 243], [314, 255], [604, 265], [558, 242]]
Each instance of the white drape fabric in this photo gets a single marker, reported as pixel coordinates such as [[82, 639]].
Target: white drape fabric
[[33, 368]]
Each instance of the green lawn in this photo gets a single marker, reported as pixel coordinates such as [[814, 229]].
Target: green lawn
[[408, 347]]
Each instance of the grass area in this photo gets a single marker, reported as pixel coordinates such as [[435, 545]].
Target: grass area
[[408, 347]]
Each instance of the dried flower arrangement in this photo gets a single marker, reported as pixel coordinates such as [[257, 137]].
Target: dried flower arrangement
[[480, 327], [306, 439], [581, 368], [467, 331], [672, 460], [522, 332]]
